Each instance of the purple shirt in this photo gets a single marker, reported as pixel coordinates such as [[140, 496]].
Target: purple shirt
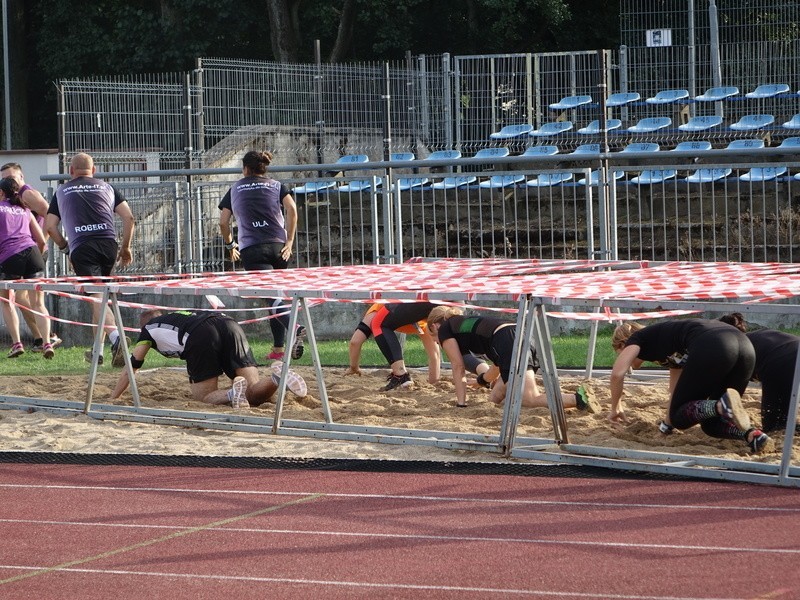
[[86, 206], [15, 230], [257, 204]]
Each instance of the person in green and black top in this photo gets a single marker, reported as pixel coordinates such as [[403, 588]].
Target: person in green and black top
[[494, 339]]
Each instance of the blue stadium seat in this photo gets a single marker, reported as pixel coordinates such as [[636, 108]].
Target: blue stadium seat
[[549, 179], [759, 174], [790, 142], [570, 102], [540, 151], [634, 147], [650, 124], [511, 131], [668, 97], [692, 146], [501, 181], [402, 156], [753, 122], [793, 123], [707, 175], [362, 185], [717, 94], [622, 98], [768, 90], [701, 123], [551, 129], [744, 144], [449, 183], [408, 183], [593, 128], [313, 187]]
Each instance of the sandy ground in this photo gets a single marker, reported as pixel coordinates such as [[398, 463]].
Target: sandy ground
[[356, 400]]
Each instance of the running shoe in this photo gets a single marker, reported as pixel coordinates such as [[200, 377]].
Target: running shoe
[[237, 395], [733, 410], [117, 355], [88, 357], [585, 400], [297, 346], [761, 442], [295, 383], [16, 350], [275, 355], [47, 351], [38, 345], [398, 381]]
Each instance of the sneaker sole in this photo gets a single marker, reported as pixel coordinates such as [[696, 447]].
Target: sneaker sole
[[118, 358], [239, 388], [297, 347], [739, 415], [48, 354], [294, 382]]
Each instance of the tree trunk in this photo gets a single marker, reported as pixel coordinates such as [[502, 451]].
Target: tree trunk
[[344, 36], [17, 75], [283, 29]]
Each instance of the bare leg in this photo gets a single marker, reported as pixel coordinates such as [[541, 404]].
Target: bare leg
[[354, 350], [531, 397], [10, 317], [24, 300]]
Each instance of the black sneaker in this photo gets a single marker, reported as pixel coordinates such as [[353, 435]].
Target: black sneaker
[[87, 356], [401, 381], [733, 410], [117, 357], [297, 346], [761, 442]]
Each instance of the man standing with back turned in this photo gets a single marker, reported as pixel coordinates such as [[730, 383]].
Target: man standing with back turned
[[86, 206]]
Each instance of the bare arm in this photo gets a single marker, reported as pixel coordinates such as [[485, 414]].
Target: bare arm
[[128, 225], [225, 216], [434, 356], [35, 201], [37, 234], [290, 208], [627, 359], [451, 349], [51, 223], [139, 352]]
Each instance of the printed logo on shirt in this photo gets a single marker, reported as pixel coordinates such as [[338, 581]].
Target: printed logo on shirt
[[82, 187], [13, 210], [92, 227]]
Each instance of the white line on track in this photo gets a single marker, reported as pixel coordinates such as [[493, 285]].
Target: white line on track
[[594, 504], [377, 586], [420, 537]]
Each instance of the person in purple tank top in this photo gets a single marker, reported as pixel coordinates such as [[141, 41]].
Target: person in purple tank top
[[21, 245], [266, 216], [33, 200], [85, 207]]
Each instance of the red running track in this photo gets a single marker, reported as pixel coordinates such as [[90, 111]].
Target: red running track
[[165, 532]]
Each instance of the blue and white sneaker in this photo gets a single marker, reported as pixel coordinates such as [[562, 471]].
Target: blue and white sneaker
[[237, 395], [733, 410]]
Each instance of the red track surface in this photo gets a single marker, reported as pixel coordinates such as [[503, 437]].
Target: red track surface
[[149, 532]]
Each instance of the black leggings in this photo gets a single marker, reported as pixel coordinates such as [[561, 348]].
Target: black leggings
[[718, 359], [266, 257]]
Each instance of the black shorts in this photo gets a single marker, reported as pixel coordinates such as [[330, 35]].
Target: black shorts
[[27, 264], [216, 346], [502, 349], [94, 258], [263, 257]]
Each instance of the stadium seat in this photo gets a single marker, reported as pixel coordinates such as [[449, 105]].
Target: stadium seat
[[701, 123], [668, 97], [457, 181], [790, 142], [511, 131], [634, 147], [653, 176], [501, 181], [570, 102], [313, 187], [396, 156], [744, 144], [622, 98], [408, 183], [650, 124], [793, 123], [540, 151], [753, 122], [359, 185], [551, 129], [717, 94], [549, 179], [758, 174], [707, 175], [692, 146], [593, 128], [768, 90]]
